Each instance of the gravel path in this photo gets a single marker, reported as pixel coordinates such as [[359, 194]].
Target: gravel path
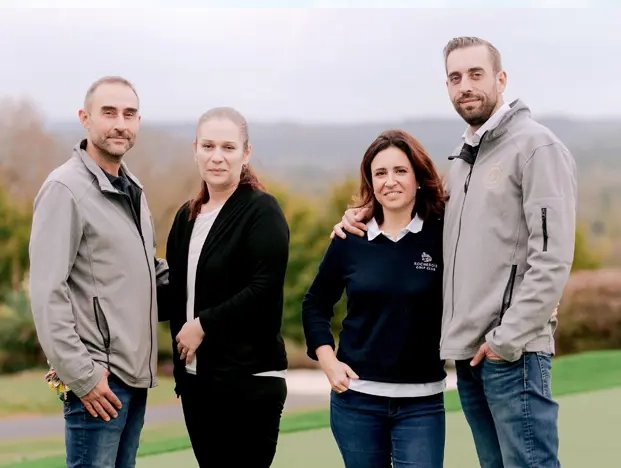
[[307, 389]]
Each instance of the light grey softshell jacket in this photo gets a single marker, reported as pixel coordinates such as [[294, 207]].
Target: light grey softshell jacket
[[509, 237], [93, 278]]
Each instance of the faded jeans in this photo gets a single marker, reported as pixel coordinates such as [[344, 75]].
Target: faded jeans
[[94, 443], [510, 410]]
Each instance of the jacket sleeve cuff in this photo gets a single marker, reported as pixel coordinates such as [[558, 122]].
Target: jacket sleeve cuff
[[502, 350], [83, 385]]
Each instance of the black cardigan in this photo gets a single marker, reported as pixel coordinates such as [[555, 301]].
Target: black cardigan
[[239, 287]]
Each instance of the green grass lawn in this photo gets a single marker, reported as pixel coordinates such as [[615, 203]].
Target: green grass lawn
[[27, 393], [16, 451], [586, 432], [588, 435]]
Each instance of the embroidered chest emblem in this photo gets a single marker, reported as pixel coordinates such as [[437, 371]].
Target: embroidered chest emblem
[[493, 176], [426, 263]]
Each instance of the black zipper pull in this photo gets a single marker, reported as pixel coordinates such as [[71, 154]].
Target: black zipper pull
[[467, 181], [544, 227]]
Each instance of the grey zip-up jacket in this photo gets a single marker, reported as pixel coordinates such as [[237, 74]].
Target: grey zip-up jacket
[[93, 278], [509, 237]]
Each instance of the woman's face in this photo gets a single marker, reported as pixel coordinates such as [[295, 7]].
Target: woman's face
[[394, 181], [220, 153]]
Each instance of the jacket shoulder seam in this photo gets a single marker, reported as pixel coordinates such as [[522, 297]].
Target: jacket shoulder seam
[[73, 196], [534, 151]]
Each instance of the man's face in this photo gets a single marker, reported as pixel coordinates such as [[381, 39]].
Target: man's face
[[111, 119], [473, 86]]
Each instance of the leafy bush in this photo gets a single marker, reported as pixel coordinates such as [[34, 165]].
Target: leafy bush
[[19, 346], [586, 256], [590, 312], [14, 237]]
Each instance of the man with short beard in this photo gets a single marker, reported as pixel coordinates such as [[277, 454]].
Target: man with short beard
[[508, 249], [94, 282], [509, 233]]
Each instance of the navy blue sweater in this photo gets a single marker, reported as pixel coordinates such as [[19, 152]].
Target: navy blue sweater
[[391, 332]]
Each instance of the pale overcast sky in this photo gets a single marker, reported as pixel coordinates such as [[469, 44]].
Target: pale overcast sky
[[315, 64]]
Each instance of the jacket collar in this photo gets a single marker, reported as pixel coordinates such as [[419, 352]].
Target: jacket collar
[[473, 139], [518, 110], [79, 151]]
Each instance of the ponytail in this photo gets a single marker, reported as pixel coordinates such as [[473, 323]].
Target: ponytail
[[249, 177]]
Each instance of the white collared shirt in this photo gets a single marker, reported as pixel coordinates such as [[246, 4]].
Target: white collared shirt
[[474, 139], [373, 230]]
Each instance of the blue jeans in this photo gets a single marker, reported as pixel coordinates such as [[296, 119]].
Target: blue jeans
[[381, 432], [94, 443], [510, 410]]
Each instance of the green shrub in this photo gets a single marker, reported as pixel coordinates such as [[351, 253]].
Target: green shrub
[[586, 255], [19, 346], [590, 312]]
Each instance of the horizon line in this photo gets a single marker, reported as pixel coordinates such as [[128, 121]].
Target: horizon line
[[345, 123]]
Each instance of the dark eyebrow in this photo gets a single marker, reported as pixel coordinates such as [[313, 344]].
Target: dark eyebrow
[[470, 70], [112, 108], [396, 167], [210, 140]]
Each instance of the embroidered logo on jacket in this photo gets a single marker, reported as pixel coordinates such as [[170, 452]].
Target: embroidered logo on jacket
[[494, 176]]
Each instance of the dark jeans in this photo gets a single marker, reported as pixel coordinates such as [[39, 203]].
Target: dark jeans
[[235, 423], [94, 443], [510, 410], [381, 432]]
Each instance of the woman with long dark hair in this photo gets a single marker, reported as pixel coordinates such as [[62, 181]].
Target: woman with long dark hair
[[227, 251], [387, 378]]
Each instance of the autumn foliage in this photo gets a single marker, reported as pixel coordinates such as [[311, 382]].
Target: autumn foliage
[[590, 312]]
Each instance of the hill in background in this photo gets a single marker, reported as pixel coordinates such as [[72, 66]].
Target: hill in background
[[312, 156]]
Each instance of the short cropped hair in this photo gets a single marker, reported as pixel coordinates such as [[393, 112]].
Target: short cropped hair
[[471, 41], [107, 80]]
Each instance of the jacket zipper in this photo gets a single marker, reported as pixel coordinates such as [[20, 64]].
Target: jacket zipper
[[103, 327], [144, 247], [544, 227], [467, 184], [463, 203]]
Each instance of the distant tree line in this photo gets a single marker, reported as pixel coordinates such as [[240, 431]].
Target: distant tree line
[[28, 153]]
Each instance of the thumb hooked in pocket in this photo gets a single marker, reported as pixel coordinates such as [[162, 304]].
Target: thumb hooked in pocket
[[350, 373]]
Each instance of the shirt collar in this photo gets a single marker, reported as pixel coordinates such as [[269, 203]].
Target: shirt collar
[[414, 226], [120, 182], [474, 139]]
